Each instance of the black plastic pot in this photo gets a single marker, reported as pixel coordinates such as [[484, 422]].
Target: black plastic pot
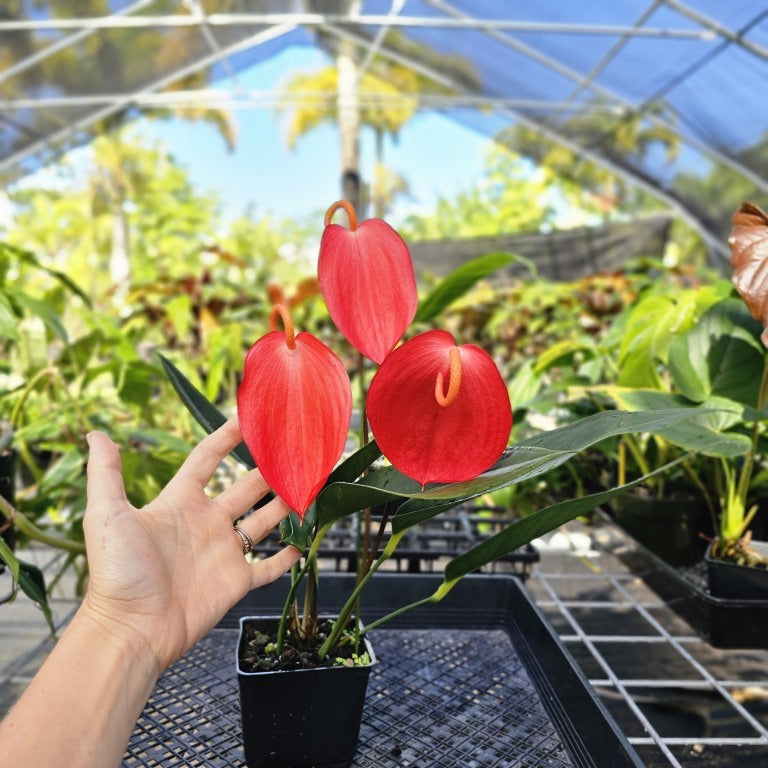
[[738, 582], [722, 622], [303, 718], [668, 527], [478, 603], [478, 679]]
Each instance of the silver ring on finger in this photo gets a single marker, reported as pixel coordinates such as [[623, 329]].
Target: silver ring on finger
[[245, 539]]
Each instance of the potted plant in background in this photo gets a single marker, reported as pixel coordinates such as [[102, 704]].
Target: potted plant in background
[[440, 415], [737, 565], [628, 367]]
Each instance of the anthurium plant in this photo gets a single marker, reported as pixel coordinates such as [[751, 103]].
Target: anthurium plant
[[439, 414]]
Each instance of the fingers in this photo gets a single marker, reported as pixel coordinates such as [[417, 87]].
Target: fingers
[[243, 493], [258, 524], [202, 462], [105, 475], [267, 570]]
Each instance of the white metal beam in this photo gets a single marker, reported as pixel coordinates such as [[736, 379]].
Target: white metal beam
[[559, 138], [224, 99], [65, 42], [556, 66], [122, 101], [612, 52], [394, 10], [319, 20], [720, 29]]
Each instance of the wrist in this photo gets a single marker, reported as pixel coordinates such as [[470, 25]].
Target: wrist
[[109, 632]]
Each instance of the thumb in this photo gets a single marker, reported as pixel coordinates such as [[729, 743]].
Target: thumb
[[105, 475]]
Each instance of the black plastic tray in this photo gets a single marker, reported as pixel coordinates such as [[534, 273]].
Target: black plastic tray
[[722, 622], [475, 681]]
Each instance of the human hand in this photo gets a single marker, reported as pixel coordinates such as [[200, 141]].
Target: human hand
[[163, 575]]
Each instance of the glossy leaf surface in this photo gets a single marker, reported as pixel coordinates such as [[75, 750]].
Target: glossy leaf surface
[[527, 459], [428, 441], [704, 433], [532, 526], [294, 406], [207, 415], [366, 276]]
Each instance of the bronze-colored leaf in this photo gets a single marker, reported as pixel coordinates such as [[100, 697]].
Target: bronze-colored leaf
[[749, 255]]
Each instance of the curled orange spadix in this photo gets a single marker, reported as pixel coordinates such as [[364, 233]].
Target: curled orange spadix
[[294, 404], [431, 435]]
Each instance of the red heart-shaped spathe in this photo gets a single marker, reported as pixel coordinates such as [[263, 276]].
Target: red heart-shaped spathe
[[294, 407], [366, 276], [428, 441]]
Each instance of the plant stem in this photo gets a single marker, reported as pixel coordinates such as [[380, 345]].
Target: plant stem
[[68, 560], [365, 515], [392, 615], [30, 530], [749, 460], [309, 619], [703, 489], [637, 454], [346, 611], [435, 597], [311, 555]]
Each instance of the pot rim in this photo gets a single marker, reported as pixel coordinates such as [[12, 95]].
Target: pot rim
[[758, 544], [317, 670]]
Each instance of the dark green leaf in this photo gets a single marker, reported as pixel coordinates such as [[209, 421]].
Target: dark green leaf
[[205, 413], [533, 526], [299, 533], [720, 355], [7, 556], [32, 584], [529, 458], [458, 282], [354, 466], [701, 434]]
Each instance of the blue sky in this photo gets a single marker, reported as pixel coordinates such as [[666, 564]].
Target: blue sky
[[435, 153]]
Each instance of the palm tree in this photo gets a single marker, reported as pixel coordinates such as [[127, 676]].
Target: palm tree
[[383, 98]]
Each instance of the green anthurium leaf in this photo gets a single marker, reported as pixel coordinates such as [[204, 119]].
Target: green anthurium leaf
[[7, 556], [529, 458], [651, 326], [720, 355], [296, 532], [354, 466], [533, 526], [703, 433], [207, 415], [698, 439], [32, 584], [722, 413], [458, 282]]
